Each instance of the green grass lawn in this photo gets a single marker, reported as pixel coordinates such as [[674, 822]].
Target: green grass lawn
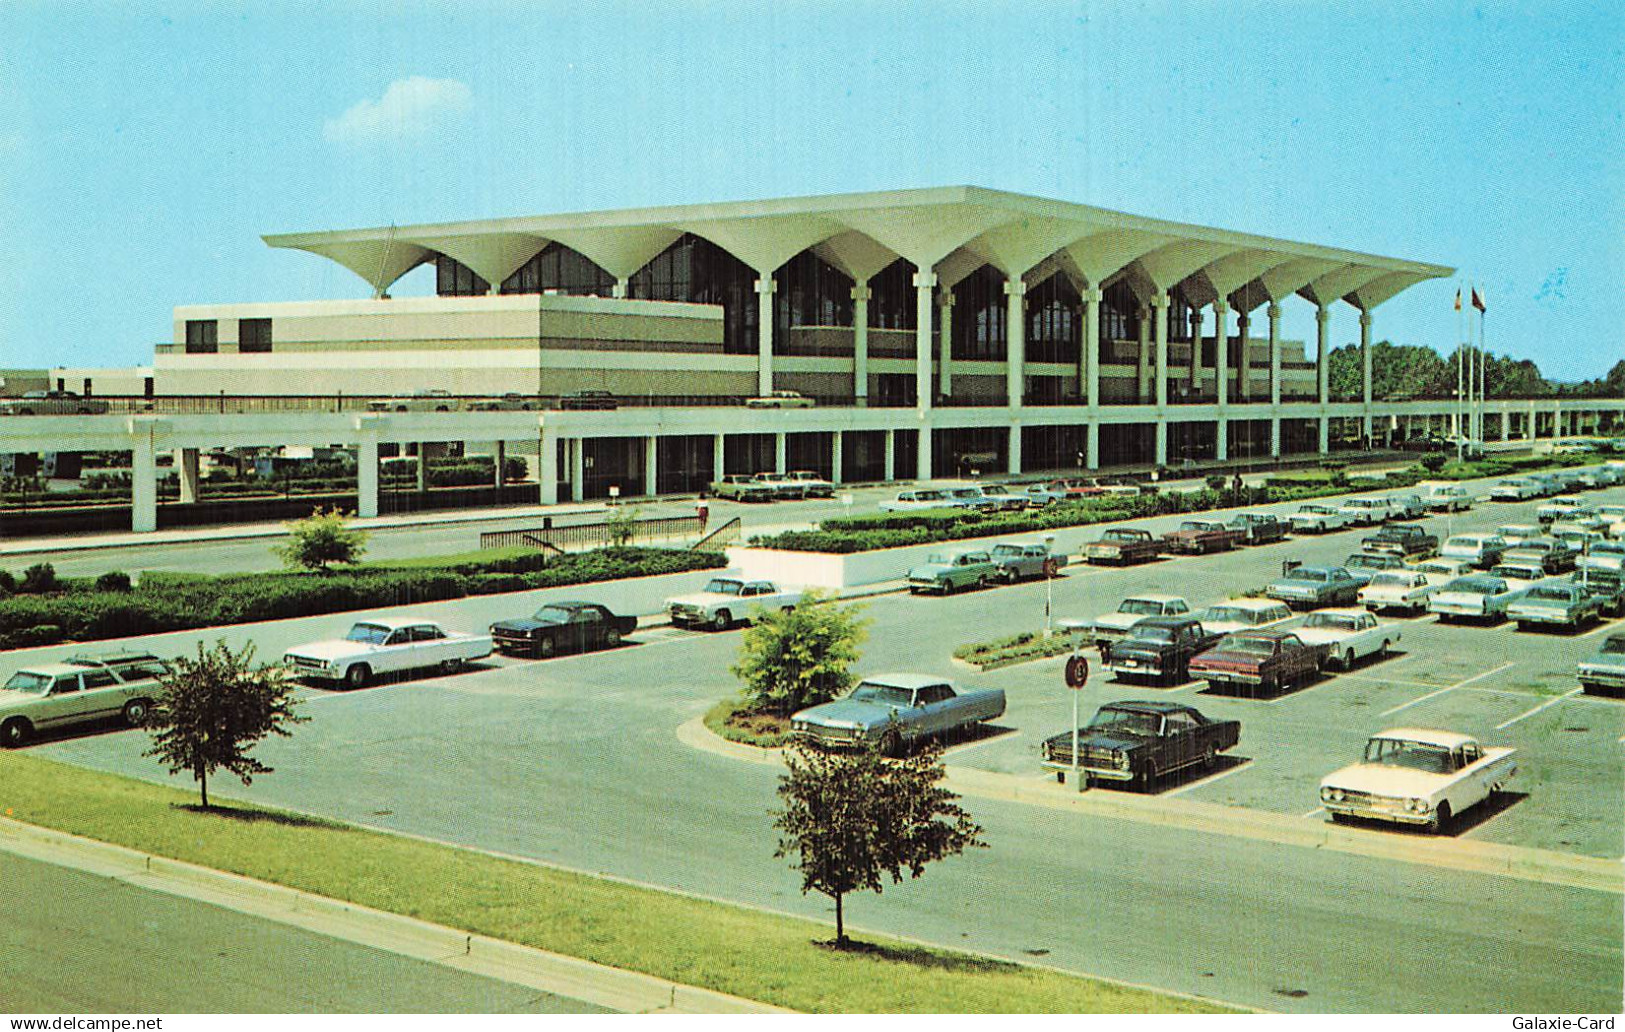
[[733, 719], [730, 949], [1019, 648]]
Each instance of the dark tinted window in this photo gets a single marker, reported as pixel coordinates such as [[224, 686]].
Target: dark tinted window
[[253, 335], [202, 336]]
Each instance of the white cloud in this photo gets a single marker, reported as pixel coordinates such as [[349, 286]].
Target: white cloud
[[409, 107]]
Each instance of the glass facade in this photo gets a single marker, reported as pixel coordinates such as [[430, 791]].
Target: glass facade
[[695, 270], [1119, 313], [892, 297], [454, 279], [560, 268], [1054, 321], [979, 333], [809, 292]]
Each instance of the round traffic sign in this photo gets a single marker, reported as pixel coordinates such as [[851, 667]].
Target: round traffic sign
[[1077, 672]]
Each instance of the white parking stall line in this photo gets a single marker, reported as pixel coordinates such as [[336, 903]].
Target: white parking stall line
[[1312, 813], [1238, 768], [1384, 680], [1459, 684], [1549, 702]]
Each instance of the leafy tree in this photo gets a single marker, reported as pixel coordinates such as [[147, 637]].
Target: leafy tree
[[851, 819], [622, 526], [790, 660], [320, 539], [1434, 461], [210, 710]]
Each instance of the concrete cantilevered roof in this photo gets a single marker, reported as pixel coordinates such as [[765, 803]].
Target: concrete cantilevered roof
[[949, 230]]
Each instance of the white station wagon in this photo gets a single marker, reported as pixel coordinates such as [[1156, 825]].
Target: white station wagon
[[78, 691]]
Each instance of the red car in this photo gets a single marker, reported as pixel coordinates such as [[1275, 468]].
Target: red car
[[1198, 537], [1261, 662]]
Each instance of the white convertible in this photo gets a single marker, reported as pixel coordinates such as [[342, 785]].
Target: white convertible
[[1349, 635], [1415, 776], [386, 645]]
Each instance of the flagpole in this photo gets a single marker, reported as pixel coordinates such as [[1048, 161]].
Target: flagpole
[[1483, 369], [1460, 345]]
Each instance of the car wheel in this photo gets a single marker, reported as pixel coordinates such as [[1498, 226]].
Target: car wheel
[[1347, 662], [722, 621], [612, 637], [1441, 820], [136, 712], [545, 647], [1210, 757], [357, 676], [15, 732], [891, 744], [450, 666], [981, 581], [1382, 651]]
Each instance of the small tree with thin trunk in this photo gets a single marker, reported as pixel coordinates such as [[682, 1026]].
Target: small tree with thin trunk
[[849, 820], [213, 708], [789, 660], [320, 539]]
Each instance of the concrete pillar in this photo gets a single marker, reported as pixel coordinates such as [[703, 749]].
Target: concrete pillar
[[764, 335], [1091, 444], [186, 469], [1275, 437], [1365, 374], [1159, 305], [1244, 357], [1161, 426], [499, 461], [1221, 354], [1221, 438], [837, 458], [860, 344], [1015, 356], [1013, 451], [922, 464], [718, 456], [423, 466], [1089, 361], [1194, 371], [1142, 392], [923, 282], [945, 343], [366, 475], [578, 470], [780, 449], [547, 466], [651, 457], [143, 478], [1323, 316], [621, 288], [1274, 312], [891, 456], [1325, 434]]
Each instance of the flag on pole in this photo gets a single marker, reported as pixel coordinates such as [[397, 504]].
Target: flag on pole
[[1478, 300]]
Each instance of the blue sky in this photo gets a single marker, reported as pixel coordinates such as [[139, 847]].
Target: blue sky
[[144, 149]]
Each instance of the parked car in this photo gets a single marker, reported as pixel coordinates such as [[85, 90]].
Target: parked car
[[1139, 742], [1520, 574], [1262, 662], [742, 487], [1159, 648], [1243, 614], [1515, 533], [52, 403], [1569, 507], [1367, 511], [1109, 627], [1258, 528], [1078, 487], [510, 402], [1317, 519], [1199, 537], [917, 499], [431, 399], [1447, 498], [1580, 539], [1347, 635], [780, 400], [1041, 495], [1005, 496], [950, 570], [1417, 776], [1406, 506], [1478, 550], [812, 484], [560, 627], [1363, 566], [1603, 555], [1024, 560], [1478, 597], [1123, 545], [728, 599], [1604, 670], [1406, 540], [892, 711], [781, 486], [588, 401], [1441, 570], [1555, 604], [78, 690], [386, 645], [1514, 489], [1607, 585], [1553, 555], [1310, 587], [1405, 590], [971, 497]]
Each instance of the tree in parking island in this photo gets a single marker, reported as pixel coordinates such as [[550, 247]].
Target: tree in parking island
[[794, 658], [852, 819], [213, 708], [320, 539]]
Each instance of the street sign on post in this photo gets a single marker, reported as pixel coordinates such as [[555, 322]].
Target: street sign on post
[[1077, 675]]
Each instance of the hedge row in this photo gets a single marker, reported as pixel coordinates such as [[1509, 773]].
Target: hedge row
[[171, 602]]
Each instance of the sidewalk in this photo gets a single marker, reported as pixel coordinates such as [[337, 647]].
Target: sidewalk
[[569, 977]]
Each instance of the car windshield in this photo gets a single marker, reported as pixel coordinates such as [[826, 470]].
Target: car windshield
[[1391, 580], [1365, 562], [1314, 510], [1614, 646], [29, 683], [1249, 646], [1477, 586], [1126, 721], [1302, 574], [885, 694], [370, 633], [1153, 634], [1140, 607], [722, 586], [553, 614], [1553, 594], [1464, 542], [1192, 525], [1333, 621], [1006, 550], [940, 559], [1118, 535], [1396, 752], [966, 492]]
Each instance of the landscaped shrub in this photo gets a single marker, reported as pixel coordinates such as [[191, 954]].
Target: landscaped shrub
[[113, 580], [39, 579]]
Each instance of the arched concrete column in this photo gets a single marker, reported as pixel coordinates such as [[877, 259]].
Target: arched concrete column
[[860, 344], [781, 450], [1143, 388], [945, 343], [1323, 316], [1092, 444], [1221, 357], [1089, 361], [1365, 374], [764, 335], [923, 283], [1015, 384], [1194, 370], [1244, 366], [1159, 305]]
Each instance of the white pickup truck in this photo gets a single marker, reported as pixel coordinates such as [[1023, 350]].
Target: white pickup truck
[[1349, 635], [1416, 776], [727, 600], [385, 645]]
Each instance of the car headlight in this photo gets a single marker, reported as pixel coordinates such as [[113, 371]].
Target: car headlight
[[1417, 805], [1121, 759], [1325, 794]]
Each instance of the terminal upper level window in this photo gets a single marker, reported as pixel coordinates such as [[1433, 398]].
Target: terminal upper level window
[[202, 336], [454, 279], [254, 335]]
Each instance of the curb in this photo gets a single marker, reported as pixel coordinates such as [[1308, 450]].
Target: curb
[[570, 977]]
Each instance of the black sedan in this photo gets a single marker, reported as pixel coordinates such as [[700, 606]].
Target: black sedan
[[562, 627]]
